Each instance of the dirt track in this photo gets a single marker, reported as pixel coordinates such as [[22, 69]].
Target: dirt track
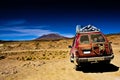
[[59, 69]]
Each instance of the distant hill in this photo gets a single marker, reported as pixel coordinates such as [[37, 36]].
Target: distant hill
[[51, 37], [110, 34]]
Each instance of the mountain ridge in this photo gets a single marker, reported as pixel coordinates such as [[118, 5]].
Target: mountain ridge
[[51, 36]]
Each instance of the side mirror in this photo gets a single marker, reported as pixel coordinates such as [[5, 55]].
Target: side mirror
[[110, 42], [69, 46]]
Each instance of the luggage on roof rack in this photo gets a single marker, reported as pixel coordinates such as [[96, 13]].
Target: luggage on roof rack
[[88, 28]]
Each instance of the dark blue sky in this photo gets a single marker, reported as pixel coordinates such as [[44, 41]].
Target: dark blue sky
[[26, 20]]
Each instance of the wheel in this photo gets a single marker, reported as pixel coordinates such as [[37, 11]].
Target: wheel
[[77, 67], [106, 62], [72, 58]]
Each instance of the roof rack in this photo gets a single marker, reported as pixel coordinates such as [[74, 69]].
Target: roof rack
[[88, 28]]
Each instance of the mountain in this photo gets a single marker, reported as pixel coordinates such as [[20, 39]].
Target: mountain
[[52, 36]]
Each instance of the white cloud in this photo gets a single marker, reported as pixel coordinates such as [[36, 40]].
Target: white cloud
[[12, 35], [68, 35], [25, 32], [36, 32]]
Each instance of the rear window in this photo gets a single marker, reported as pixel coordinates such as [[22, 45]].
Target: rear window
[[97, 38], [84, 39]]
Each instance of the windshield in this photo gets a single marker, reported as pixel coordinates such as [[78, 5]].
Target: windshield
[[97, 38]]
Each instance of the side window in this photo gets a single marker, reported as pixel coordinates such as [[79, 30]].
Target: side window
[[84, 39]]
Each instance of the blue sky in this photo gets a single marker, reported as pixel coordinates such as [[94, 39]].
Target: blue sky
[[27, 21]]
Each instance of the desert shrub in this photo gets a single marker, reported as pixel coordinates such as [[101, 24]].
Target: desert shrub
[[2, 57], [43, 54], [23, 58], [39, 58], [63, 68], [50, 53], [59, 58], [53, 56], [18, 58], [47, 58], [43, 57], [63, 56], [31, 52], [33, 58], [29, 58]]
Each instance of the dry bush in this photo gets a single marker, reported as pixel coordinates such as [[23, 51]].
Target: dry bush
[[41, 55], [2, 57], [36, 55]]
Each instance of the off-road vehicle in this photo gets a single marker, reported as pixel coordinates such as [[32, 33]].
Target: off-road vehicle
[[90, 45]]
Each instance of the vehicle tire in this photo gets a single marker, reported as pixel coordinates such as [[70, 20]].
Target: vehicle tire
[[84, 64], [72, 59], [77, 67], [106, 62]]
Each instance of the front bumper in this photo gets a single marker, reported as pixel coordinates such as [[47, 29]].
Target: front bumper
[[95, 59]]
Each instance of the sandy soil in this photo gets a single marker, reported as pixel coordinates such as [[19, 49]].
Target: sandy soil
[[58, 69]]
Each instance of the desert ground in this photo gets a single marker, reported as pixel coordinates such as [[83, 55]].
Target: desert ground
[[49, 60]]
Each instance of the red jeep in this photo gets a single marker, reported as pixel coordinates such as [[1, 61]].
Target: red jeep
[[90, 46]]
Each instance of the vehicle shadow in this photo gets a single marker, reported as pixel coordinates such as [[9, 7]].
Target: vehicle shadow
[[98, 68]]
